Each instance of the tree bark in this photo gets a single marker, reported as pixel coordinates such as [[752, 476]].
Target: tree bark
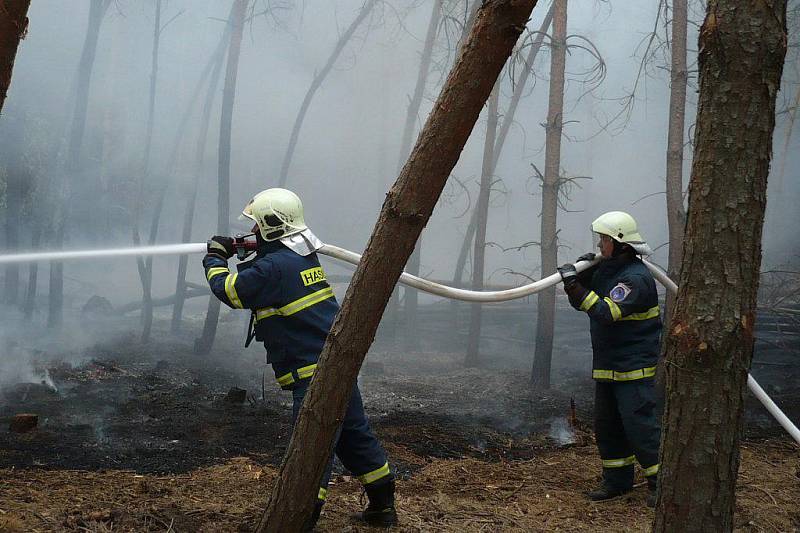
[[145, 266], [97, 11], [472, 358], [546, 300], [315, 84], [505, 126], [204, 343], [199, 161], [411, 339], [406, 210], [13, 27], [676, 216], [710, 341]]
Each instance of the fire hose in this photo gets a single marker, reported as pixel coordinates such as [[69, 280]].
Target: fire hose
[[422, 284]]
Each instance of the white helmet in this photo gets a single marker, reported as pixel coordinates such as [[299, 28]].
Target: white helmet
[[622, 228], [278, 213]]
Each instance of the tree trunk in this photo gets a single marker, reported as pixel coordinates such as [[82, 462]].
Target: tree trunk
[[710, 341], [97, 11], [13, 27], [411, 338], [676, 216], [315, 84], [405, 212], [472, 358], [145, 266], [33, 273], [546, 300], [204, 343], [519, 88], [199, 159]]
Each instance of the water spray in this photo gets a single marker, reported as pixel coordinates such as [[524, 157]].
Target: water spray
[[311, 244]]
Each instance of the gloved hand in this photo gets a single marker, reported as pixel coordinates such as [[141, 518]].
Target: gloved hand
[[221, 247], [588, 256], [568, 275]]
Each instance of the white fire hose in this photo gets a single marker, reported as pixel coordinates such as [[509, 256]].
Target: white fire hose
[[405, 278]]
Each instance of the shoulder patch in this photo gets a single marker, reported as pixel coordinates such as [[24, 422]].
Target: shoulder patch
[[619, 292], [312, 276]]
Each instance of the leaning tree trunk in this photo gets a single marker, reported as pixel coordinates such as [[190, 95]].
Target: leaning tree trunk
[[216, 63], [204, 343], [145, 267], [405, 212], [97, 10], [546, 300], [508, 119], [472, 357], [710, 341], [676, 216], [319, 77], [13, 27], [411, 303]]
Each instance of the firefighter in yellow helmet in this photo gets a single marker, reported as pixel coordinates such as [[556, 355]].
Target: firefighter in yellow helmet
[[619, 295], [293, 308]]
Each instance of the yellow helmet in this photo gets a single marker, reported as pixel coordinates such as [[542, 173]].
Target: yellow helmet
[[277, 212], [621, 227]]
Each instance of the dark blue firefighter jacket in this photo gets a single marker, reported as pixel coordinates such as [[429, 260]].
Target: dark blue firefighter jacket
[[620, 297], [293, 305]]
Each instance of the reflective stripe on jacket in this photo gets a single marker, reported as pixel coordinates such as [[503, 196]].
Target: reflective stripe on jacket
[[292, 303], [620, 297]]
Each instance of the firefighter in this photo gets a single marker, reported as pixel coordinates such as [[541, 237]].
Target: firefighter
[[293, 308], [619, 295]]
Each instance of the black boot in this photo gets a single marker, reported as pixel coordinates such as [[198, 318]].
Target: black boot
[[653, 494], [309, 526], [380, 510], [605, 492]]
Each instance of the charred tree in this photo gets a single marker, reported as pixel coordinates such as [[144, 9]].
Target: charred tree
[[214, 68], [411, 338], [13, 27], [97, 10], [710, 341], [679, 76], [472, 358], [204, 343], [405, 212], [319, 77], [546, 300], [145, 266], [508, 119]]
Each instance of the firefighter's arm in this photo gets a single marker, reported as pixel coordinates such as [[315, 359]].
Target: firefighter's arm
[[251, 288], [626, 300]]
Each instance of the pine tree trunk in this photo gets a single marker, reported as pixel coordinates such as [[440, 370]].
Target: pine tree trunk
[[411, 337], [315, 84], [145, 266], [546, 300], [33, 273], [676, 216], [13, 27], [508, 119], [405, 212], [61, 191], [710, 340], [199, 161], [472, 358], [204, 343]]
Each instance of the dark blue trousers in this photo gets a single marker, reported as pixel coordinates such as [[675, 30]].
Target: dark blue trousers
[[627, 430], [356, 446]]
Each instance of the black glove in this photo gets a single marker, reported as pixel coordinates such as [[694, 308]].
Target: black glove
[[588, 256], [221, 247], [568, 275]]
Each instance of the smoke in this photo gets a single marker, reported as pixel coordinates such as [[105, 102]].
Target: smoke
[[561, 432]]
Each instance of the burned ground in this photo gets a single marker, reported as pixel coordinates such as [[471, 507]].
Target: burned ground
[[137, 438]]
